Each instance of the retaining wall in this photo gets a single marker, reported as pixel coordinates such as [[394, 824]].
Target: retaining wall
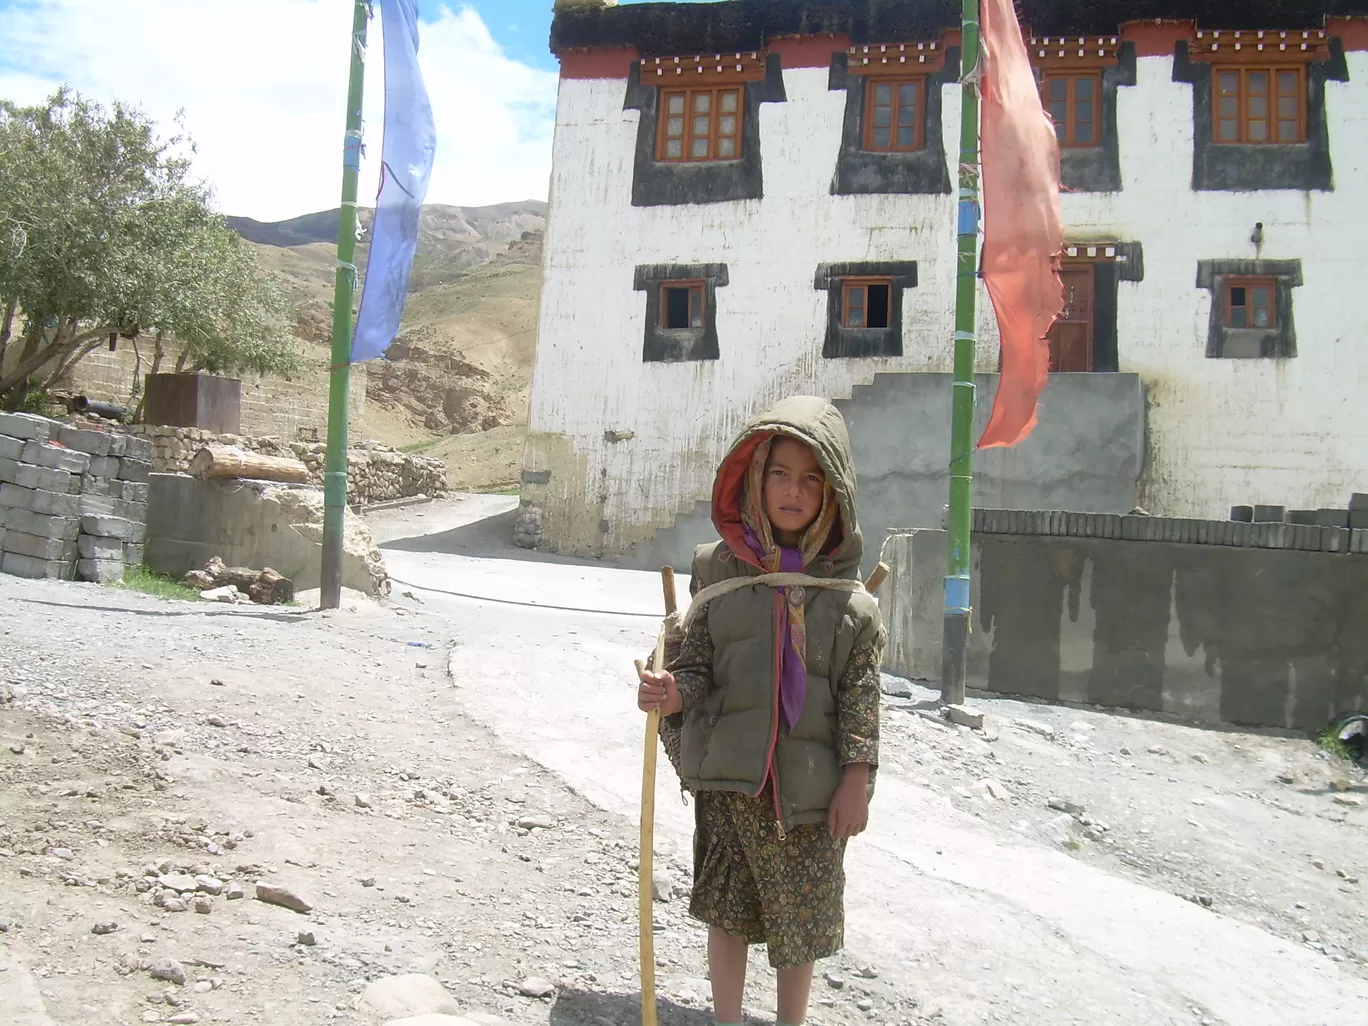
[[73, 502], [1212, 621], [375, 473]]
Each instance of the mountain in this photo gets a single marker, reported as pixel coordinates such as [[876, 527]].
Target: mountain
[[439, 228], [462, 364]]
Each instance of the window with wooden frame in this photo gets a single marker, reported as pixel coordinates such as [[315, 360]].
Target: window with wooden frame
[[683, 305], [1251, 303], [894, 109], [700, 124], [1256, 105], [866, 302], [1073, 100]]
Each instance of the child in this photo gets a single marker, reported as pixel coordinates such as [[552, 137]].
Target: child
[[776, 694]]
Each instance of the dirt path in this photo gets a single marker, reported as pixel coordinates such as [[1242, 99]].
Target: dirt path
[[143, 742]]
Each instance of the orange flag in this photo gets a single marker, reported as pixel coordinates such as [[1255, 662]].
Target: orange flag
[[1022, 231]]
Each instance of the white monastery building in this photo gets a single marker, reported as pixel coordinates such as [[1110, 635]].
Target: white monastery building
[[755, 198]]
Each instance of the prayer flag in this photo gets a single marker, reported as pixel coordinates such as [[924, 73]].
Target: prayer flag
[[406, 167], [1022, 232]]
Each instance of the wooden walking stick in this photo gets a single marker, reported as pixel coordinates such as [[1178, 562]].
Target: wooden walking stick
[[645, 875]]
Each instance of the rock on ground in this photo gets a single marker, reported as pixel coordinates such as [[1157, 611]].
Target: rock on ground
[[410, 995]]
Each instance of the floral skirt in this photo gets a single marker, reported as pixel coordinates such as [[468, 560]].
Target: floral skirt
[[788, 895]]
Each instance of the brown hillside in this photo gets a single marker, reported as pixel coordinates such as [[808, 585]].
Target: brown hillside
[[462, 364]]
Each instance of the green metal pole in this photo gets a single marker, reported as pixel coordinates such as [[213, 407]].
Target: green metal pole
[[957, 591], [339, 392]]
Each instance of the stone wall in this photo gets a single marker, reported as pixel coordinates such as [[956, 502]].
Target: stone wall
[[73, 502], [375, 473], [295, 409], [1215, 622]]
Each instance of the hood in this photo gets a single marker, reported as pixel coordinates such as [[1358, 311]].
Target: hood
[[816, 422]]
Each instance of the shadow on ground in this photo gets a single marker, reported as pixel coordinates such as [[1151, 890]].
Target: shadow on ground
[[594, 1008], [175, 611], [491, 538]]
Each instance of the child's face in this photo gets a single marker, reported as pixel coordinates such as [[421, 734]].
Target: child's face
[[793, 489]]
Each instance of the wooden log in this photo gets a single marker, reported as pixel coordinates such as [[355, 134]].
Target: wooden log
[[226, 461], [264, 587]]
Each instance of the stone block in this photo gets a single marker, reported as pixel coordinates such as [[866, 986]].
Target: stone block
[[132, 511], [38, 547], [133, 554], [26, 426], [46, 479], [104, 466], [1332, 517], [1242, 514], [1270, 514], [54, 457], [136, 448], [107, 527], [40, 524], [18, 565], [9, 471], [133, 491], [14, 497], [964, 716], [102, 486], [11, 448], [92, 443], [118, 444], [91, 547], [55, 504], [96, 505], [1301, 517], [1358, 502], [1358, 519], [131, 469], [100, 571]]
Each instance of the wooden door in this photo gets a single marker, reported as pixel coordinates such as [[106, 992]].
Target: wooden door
[[1071, 337]]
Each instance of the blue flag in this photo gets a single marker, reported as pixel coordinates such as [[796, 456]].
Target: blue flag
[[410, 142]]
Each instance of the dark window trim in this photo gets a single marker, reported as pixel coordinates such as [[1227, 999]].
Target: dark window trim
[[677, 345], [657, 183], [863, 343], [1249, 167], [1098, 168], [863, 172], [1277, 343]]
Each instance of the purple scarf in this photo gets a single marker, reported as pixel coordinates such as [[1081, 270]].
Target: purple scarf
[[793, 672]]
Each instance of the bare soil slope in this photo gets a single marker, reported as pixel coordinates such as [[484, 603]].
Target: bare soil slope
[[462, 365]]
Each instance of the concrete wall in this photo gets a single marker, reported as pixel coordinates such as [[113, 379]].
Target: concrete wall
[[1212, 634], [1087, 453], [1220, 431], [289, 410], [253, 524]]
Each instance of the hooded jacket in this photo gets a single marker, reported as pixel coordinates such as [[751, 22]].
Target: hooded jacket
[[733, 737]]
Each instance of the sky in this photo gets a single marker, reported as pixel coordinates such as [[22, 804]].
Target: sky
[[262, 85]]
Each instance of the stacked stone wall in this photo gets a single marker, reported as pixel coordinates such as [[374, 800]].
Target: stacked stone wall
[[375, 473]]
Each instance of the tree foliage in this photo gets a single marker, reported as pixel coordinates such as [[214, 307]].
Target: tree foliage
[[103, 232]]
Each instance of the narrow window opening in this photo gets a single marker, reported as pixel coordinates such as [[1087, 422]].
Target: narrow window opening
[[867, 304], [682, 306]]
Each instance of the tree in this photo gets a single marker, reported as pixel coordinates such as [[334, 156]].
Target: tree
[[103, 233]]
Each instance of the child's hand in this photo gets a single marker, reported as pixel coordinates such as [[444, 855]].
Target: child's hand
[[658, 692], [848, 813]]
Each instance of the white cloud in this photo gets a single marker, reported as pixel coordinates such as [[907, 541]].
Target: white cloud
[[263, 84]]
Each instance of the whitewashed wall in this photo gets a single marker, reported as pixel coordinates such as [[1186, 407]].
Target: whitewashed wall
[[1226, 432], [1222, 431]]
